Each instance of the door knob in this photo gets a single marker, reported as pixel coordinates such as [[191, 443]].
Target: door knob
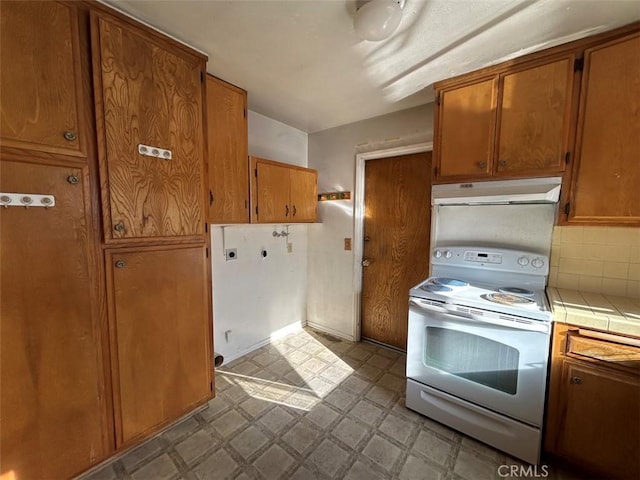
[[576, 380], [119, 227], [367, 238], [366, 262]]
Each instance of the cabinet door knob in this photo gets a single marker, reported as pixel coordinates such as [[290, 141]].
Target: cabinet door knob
[[120, 264], [69, 135], [482, 165], [119, 227], [72, 179], [576, 380]]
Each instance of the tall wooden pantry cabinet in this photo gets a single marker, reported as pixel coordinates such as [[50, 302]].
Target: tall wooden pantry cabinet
[[105, 297]]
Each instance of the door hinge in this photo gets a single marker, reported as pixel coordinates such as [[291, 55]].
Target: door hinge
[[206, 250], [438, 99], [578, 64], [567, 207], [567, 157]]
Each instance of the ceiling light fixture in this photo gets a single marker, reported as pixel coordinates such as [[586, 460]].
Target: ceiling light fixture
[[376, 20]]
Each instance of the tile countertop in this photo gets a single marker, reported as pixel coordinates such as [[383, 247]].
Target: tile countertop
[[603, 312]]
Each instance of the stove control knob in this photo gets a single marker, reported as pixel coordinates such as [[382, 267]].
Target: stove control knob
[[448, 254], [524, 261], [437, 253], [537, 263]]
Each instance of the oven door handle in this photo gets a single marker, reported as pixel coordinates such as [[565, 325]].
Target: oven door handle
[[471, 318]]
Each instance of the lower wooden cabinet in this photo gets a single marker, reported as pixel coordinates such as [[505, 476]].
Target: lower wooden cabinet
[[160, 336], [593, 418], [54, 407]]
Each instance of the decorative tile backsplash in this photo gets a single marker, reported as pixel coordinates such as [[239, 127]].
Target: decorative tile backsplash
[[596, 259]]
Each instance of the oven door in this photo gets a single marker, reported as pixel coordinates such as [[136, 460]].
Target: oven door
[[491, 363]]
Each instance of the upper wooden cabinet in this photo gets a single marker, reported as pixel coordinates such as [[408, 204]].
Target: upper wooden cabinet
[[227, 147], [40, 81], [161, 336], [282, 193], [148, 96], [606, 174], [509, 124]]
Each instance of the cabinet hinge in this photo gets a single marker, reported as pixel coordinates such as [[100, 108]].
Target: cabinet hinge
[[567, 157], [256, 209], [206, 227], [567, 207], [255, 172], [206, 251], [211, 386], [244, 112], [438, 99], [578, 64], [201, 77]]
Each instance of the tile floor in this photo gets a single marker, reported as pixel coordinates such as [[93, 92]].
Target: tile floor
[[311, 406]]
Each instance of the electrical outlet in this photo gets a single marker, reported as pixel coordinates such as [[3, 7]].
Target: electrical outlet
[[231, 254], [289, 247]]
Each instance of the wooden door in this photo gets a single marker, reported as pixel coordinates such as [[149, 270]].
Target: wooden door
[[397, 224], [465, 131], [53, 408], [600, 427], [271, 192], [227, 146], [534, 118], [40, 78], [303, 194], [148, 93], [606, 175], [160, 335]]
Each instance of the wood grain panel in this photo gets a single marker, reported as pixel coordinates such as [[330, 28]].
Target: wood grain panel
[[606, 176], [227, 145], [40, 77], [396, 231], [303, 194], [271, 192], [467, 117], [53, 402], [159, 317], [534, 118], [600, 421], [149, 95]]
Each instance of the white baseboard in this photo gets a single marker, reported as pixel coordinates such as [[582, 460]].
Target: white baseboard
[[330, 331], [282, 332]]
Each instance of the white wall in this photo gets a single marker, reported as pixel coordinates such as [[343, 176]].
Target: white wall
[[330, 302], [255, 297]]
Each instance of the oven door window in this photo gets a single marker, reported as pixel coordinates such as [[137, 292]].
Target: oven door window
[[473, 357]]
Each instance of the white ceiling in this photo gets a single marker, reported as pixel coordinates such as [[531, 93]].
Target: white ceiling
[[302, 63]]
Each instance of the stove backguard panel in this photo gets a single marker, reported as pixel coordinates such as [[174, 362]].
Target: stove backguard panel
[[517, 226]]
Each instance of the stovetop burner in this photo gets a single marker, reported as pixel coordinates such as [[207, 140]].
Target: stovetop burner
[[523, 292], [450, 282], [432, 287], [508, 299]]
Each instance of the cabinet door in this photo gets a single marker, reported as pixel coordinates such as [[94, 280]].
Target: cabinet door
[[303, 194], [40, 78], [535, 113], [149, 94], [465, 132], [52, 407], [160, 334], [601, 423], [271, 193], [227, 146], [606, 175]]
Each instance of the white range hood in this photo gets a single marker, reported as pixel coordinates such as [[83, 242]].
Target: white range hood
[[530, 190]]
